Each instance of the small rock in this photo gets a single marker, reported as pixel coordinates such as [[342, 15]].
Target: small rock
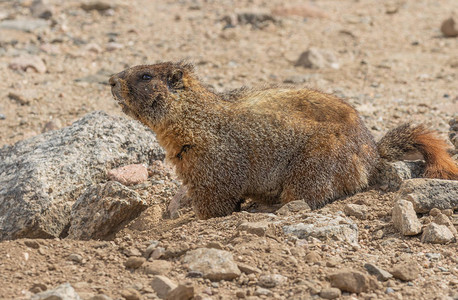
[[129, 175], [449, 28], [157, 267], [114, 46], [162, 286], [215, 245], [20, 99], [381, 274], [393, 174], [32, 244], [325, 228], [247, 269], [134, 262], [150, 249], [293, 207], [389, 290], [351, 281], [330, 293], [406, 271], [51, 125], [214, 264], [75, 257], [131, 294], [100, 297], [62, 292], [157, 253], [437, 234], [181, 292], [41, 10], [2, 117], [26, 25], [447, 212], [356, 210], [426, 194], [271, 280], [262, 292], [313, 257], [434, 212], [38, 288], [315, 58], [405, 219], [99, 6], [26, 62], [257, 228], [256, 20]]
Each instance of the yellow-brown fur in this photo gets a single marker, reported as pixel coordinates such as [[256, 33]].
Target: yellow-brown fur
[[271, 145]]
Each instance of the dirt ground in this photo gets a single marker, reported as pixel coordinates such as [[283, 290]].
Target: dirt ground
[[391, 62]]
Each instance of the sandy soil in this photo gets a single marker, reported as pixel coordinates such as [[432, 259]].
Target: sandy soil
[[391, 62]]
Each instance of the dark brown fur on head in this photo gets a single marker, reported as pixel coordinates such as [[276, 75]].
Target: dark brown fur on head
[[148, 92]]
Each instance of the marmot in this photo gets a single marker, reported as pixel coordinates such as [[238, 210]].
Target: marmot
[[270, 145]]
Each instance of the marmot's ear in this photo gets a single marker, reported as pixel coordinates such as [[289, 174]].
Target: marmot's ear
[[175, 79]]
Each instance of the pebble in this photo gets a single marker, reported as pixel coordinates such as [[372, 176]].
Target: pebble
[[129, 175], [28, 62], [313, 257], [449, 28], [62, 292], [2, 117], [293, 207], [315, 58], [134, 262], [247, 269], [262, 292], [437, 234], [162, 286], [181, 292], [406, 271], [214, 264], [40, 10], [389, 290], [405, 219], [356, 210], [351, 281], [157, 253], [330, 293], [26, 25], [75, 257], [114, 46], [100, 6], [157, 267], [38, 288], [100, 297], [271, 280], [32, 244], [381, 274], [131, 294], [257, 228], [434, 212]]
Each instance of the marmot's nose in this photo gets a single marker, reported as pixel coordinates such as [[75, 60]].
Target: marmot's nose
[[113, 80]]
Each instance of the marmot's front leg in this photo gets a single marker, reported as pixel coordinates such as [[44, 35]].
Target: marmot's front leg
[[212, 203]]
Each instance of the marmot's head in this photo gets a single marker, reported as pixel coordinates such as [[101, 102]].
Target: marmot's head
[[150, 92]]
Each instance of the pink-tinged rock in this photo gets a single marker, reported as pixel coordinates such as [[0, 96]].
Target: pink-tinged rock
[[129, 175], [27, 62]]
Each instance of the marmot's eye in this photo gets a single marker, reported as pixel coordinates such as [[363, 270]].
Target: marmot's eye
[[147, 77]]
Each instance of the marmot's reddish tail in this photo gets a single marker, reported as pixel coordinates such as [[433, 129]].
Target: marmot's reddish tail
[[407, 137]]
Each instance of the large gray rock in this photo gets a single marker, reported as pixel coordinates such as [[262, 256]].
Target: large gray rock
[[102, 209], [437, 234], [426, 194], [325, 228], [41, 177]]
